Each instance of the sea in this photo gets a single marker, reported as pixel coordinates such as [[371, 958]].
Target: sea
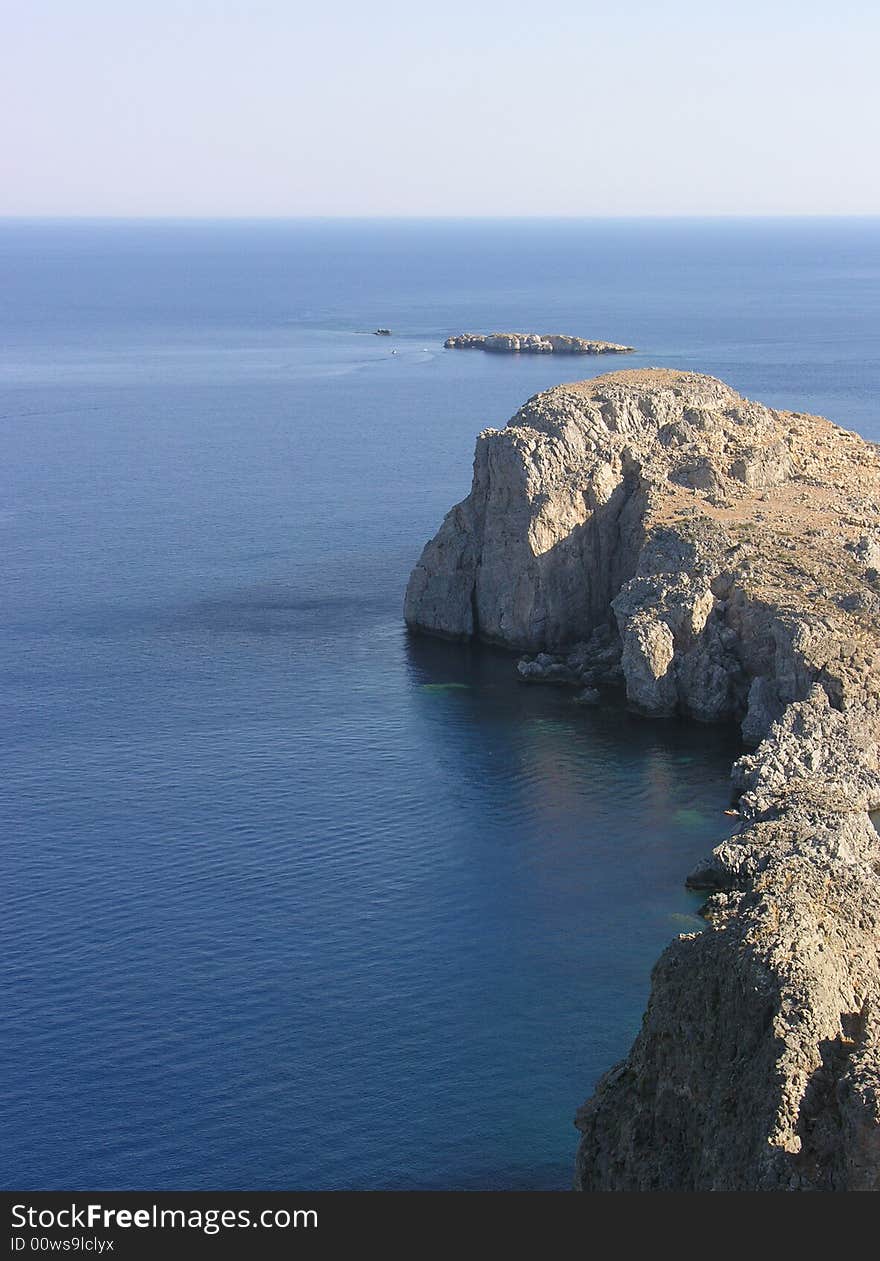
[[291, 899]]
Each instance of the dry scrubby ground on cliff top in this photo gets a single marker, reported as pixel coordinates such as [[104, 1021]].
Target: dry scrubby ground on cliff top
[[722, 558]]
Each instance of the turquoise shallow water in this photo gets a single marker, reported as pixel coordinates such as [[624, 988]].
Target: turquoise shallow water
[[292, 900]]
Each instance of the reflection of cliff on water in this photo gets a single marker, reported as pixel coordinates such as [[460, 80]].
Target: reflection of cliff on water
[[596, 800]]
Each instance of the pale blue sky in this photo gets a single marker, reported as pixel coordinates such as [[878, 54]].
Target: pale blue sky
[[275, 107]]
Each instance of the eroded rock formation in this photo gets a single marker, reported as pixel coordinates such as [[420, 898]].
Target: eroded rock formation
[[720, 558], [533, 344]]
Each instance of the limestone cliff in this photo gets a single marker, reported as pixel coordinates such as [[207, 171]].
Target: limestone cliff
[[720, 559]]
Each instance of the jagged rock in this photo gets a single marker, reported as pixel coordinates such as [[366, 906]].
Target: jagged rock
[[533, 344], [813, 757], [589, 696], [649, 649], [737, 550], [547, 669], [763, 707], [763, 466], [866, 550], [596, 660]]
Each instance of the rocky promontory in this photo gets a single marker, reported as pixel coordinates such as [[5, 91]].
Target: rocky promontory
[[533, 344], [720, 560]]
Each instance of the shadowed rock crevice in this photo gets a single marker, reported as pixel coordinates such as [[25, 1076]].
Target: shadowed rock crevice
[[736, 552], [820, 1121]]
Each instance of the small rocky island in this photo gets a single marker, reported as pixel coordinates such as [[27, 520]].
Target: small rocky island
[[721, 560], [533, 344]]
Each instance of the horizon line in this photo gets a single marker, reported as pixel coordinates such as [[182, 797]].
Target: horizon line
[[435, 218]]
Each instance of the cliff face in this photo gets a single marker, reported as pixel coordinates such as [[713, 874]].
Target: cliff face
[[729, 546], [721, 559]]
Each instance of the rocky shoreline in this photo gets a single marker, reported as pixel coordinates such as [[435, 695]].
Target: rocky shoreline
[[533, 344], [720, 560]]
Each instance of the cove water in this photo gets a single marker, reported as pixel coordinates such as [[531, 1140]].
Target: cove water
[[289, 899]]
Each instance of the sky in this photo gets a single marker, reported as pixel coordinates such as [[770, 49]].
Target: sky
[[281, 108]]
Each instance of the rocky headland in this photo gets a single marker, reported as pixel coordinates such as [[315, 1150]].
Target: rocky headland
[[533, 344], [720, 560]]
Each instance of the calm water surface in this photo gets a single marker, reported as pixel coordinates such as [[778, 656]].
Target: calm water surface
[[290, 900]]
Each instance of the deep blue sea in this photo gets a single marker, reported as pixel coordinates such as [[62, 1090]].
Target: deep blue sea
[[290, 900]]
